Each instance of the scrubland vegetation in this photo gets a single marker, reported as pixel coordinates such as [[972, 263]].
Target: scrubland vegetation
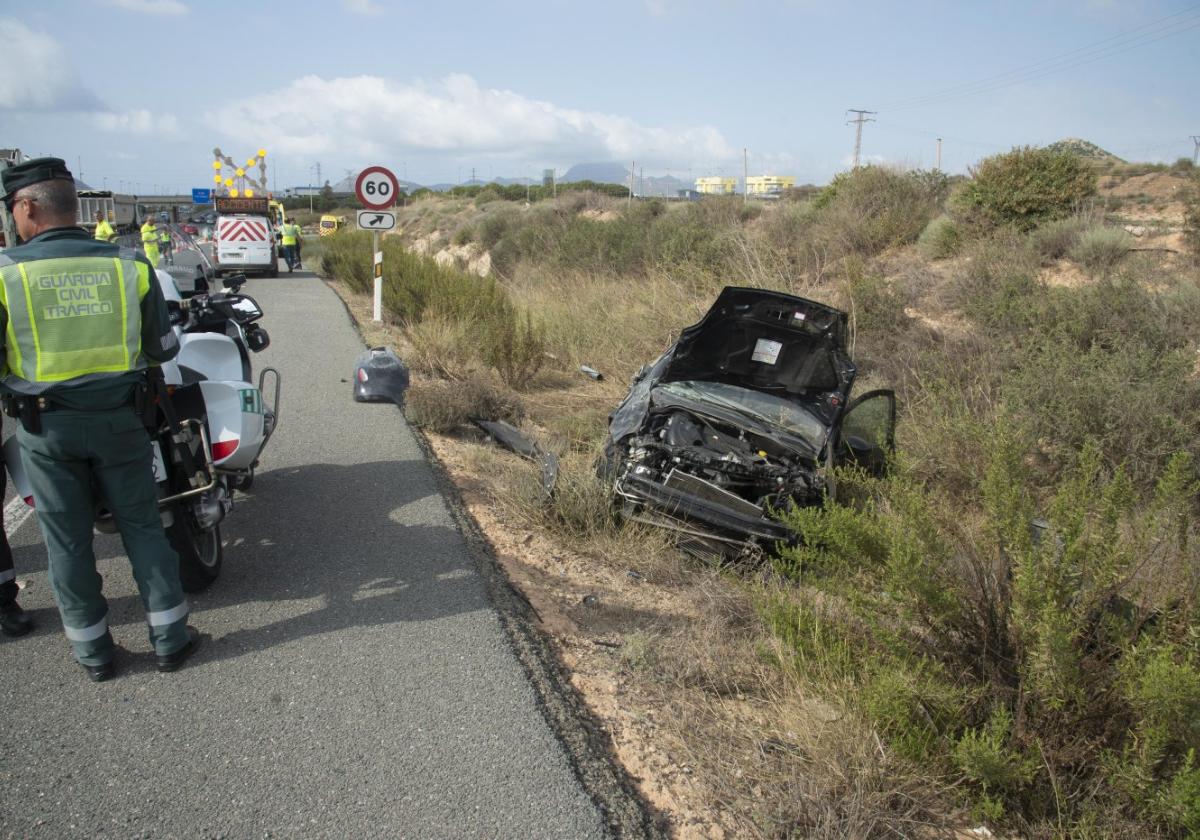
[[1005, 630]]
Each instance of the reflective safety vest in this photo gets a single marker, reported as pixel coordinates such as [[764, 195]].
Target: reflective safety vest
[[149, 234], [104, 231], [70, 317], [164, 236], [290, 232]]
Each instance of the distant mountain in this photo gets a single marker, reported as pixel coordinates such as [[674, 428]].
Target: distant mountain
[[667, 186], [614, 173], [1084, 149], [601, 173], [346, 185]]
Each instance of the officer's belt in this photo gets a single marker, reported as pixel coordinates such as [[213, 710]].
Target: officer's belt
[[29, 409]]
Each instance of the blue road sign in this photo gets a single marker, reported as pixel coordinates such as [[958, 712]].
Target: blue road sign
[[201, 195]]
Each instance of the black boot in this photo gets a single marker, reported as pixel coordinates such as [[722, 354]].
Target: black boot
[[171, 661], [14, 621]]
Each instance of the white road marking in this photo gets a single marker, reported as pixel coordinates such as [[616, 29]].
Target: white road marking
[[15, 514]]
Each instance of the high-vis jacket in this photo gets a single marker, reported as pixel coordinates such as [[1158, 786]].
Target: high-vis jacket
[[80, 318], [104, 231], [290, 231], [150, 242]]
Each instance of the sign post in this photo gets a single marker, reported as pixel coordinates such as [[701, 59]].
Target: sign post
[[376, 188]]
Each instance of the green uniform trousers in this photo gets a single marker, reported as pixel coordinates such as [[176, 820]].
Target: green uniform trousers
[[77, 457]]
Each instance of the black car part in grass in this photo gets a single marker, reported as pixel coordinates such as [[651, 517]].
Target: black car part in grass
[[745, 414]]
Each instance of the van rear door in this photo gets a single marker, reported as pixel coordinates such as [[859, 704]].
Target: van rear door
[[245, 242]]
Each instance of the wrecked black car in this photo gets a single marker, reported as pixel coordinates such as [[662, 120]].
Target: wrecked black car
[[744, 414]]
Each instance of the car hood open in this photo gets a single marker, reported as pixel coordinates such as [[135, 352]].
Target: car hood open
[[765, 341]]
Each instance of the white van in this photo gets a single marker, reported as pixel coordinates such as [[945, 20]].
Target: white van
[[245, 242]]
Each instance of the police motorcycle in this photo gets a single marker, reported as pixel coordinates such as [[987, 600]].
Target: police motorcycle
[[208, 422]]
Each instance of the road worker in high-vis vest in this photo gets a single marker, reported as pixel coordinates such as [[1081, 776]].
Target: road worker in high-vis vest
[[290, 236], [165, 245], [82, 321], [150, 240], [104, 231]]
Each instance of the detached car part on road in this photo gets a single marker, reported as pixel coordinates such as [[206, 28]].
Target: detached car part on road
[[745, 414]]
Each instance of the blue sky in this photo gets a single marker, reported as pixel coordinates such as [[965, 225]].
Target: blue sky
[[141, 91]]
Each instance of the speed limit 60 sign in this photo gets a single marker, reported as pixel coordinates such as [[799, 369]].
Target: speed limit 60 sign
[[376, 188]]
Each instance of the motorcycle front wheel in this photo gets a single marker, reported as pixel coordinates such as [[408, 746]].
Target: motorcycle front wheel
[[200, 552]]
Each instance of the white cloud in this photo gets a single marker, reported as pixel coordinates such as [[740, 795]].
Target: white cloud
[[137, 122], [865, 160], [151, 7], [35, 75], [362, 7], [369, 115]]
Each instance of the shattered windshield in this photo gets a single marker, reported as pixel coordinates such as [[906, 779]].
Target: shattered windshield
[[773, 410]]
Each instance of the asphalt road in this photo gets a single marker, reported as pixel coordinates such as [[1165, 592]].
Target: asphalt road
[[357, 681]]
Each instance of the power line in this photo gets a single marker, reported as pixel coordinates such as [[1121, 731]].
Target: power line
[[858, 124], [1140, 36]]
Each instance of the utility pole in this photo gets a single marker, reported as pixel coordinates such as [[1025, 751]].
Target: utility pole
[[858, 124], [1196, 153], [745, 176], [937, 167], [632, 169]]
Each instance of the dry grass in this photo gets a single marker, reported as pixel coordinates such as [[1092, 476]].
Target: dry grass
[[774, 750], [756, 740], [440, 348]]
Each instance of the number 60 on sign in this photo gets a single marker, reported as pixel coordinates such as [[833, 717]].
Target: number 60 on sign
[[376, 188]]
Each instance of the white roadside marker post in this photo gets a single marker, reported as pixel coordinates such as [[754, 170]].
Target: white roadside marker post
[[378, 277], [376, 188]]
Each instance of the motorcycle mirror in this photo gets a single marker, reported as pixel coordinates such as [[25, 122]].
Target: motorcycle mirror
[[234, 282]]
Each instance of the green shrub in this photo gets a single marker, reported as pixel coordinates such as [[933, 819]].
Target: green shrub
[[1055, 239], [491, 229], [416, 288], [1099, 249], [512, 344], [940, 239], [1023, 188], [877, 308], [1016, 658], [998, 287], [867, 210]]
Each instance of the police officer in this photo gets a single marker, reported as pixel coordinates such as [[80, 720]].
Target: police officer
[[150, 240], [104, 231], [82, 320]]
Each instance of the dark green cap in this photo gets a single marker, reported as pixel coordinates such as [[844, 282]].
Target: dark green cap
[[34, 171]]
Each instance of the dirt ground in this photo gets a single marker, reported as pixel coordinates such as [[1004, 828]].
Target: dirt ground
[[1160, 187]]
